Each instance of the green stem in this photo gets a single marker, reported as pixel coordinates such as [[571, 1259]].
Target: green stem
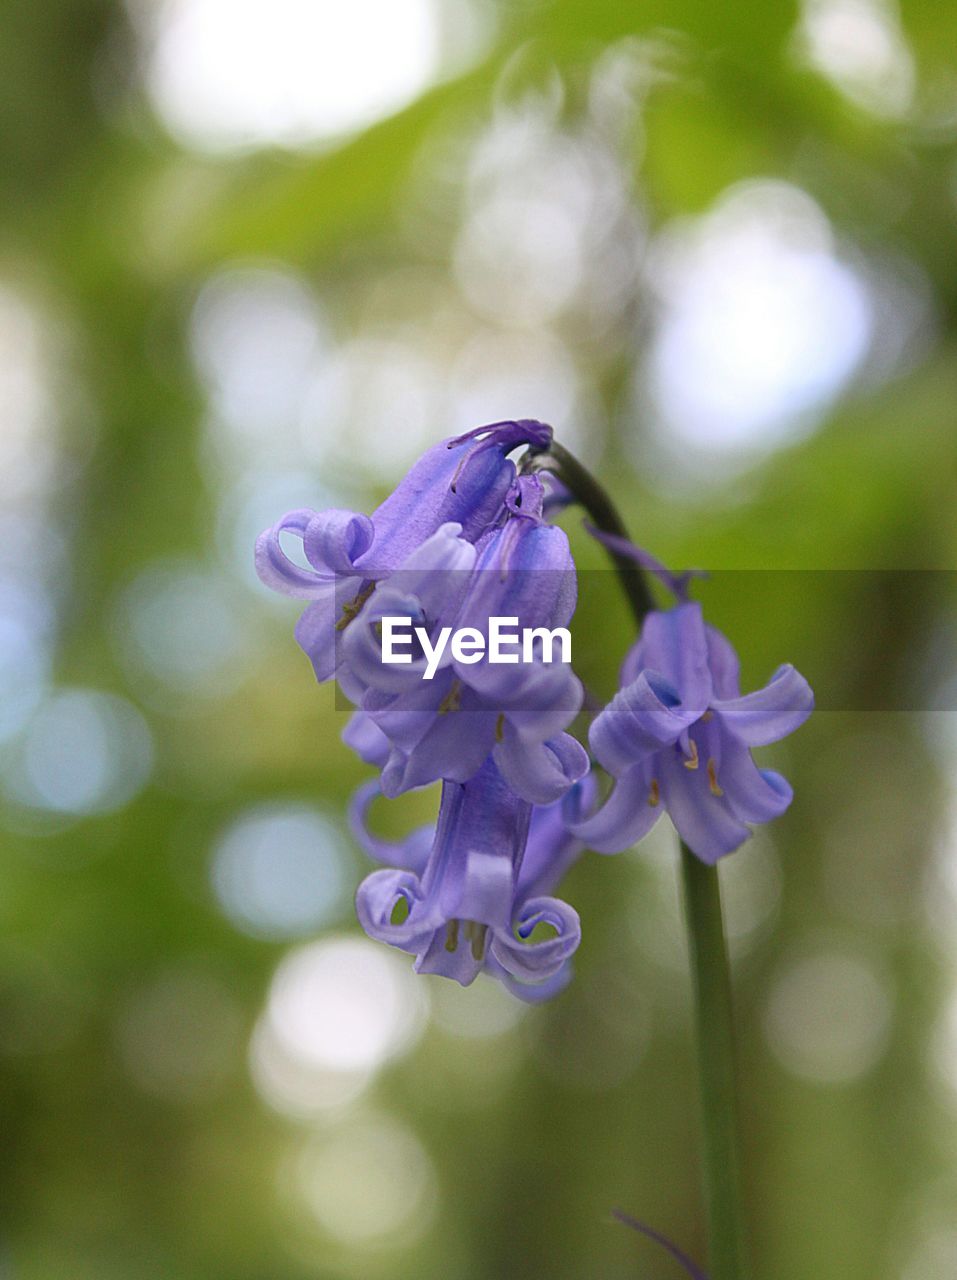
[[714, 1032], [711, 982]]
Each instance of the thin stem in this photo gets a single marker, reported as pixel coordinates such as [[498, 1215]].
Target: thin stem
[[711, 982], [714, 1032]]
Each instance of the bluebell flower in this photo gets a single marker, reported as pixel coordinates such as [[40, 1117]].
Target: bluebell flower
[[448, 726], [464, 480], [678, 736], [467, 898]]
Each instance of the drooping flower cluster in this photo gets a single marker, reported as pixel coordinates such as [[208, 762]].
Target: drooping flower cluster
[[464, 539]]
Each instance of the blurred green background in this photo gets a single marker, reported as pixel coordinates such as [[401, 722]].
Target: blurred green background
[[260, 255]]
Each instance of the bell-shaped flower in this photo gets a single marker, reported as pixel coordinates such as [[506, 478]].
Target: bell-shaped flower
[[678, 736], [464, 480], [516, 711], [461, 903]]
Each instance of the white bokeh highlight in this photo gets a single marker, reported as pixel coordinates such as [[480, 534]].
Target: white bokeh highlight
[[859, 46], [27, 482], [230, 75], [828, 1017], [180, 632], [338, 1011], [369, 1183], [85, 752], [762, 325], [257, 336], [279, 870]]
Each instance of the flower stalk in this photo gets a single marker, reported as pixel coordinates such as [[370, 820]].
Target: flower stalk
[[711, 983], [714, 1033]]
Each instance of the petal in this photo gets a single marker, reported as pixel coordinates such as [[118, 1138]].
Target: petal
[[551, 848], [316, 631], [674, 643], [366, 739], [510, 433], [454, 748], [376, 899], [755, 795], [361, 643], [524, 571], [451, 482], [704, 821], [438, 573], [770, 713], [639, 720], [632, 664], [724, 664], [527, 497], [626, 816], [531, 992], [405, 718], [540, 700], [450, 954], [410, 854], [334, 540], [540, 772], [275, 568], [537, 961], [484, 883]]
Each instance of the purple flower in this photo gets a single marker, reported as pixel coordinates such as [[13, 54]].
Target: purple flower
[[366, 739], [678, 736], [469, 898], [446, 727], [464, 480]]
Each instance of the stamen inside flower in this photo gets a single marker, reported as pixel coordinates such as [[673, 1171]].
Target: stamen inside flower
[[692, 761], [500, 727], [452, 935], [353, 607], [654, 795], [476, 934], [452, 700], [716, 790]]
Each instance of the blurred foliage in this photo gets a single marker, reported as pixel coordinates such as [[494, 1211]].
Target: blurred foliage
[[126, 1172]]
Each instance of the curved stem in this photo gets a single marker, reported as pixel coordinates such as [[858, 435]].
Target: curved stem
[[711, 982]]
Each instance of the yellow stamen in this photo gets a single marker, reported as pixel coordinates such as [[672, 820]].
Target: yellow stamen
[[654, 796], [692, 761], [713, 779], [350, 609], [452, 700], [452, 935], [475, 933], [500, 727]]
